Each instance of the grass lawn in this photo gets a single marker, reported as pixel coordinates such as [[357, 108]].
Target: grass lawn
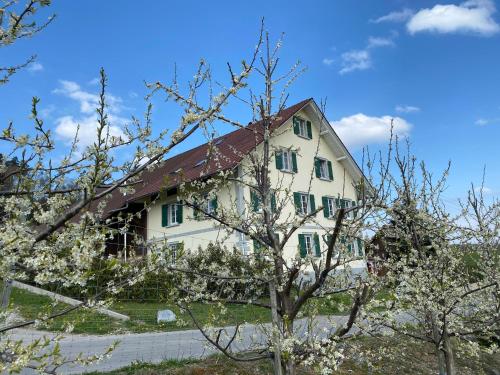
[[143, 314], [419, 359]]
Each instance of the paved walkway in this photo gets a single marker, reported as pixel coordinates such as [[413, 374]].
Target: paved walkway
[[152, 347]]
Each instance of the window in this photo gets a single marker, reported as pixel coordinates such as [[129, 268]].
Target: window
[[358, 246], [174, 250], [209, 205], [257, 202], [171, 214], [323, 169], [304, 203], [302, 127], [346, 203], [353, 246], [308, 241], [329, 207], [309, 245], [286, 160]]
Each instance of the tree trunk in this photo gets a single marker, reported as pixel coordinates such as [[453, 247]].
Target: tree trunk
[[275, 329], [290, 368], [437, 342], [448, 354], [441, 360]]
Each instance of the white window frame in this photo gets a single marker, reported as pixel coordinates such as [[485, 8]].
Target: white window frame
[[332, 206], [323, 169], [307, 202], [309, 243], [172, 213], [286, 160]]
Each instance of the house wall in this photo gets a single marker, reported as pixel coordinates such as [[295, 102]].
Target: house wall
[[196, 233]]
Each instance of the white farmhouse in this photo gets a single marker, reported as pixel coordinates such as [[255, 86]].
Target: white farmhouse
[[308, 153]]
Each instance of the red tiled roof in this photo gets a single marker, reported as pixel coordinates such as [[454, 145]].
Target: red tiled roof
[[186, 167]]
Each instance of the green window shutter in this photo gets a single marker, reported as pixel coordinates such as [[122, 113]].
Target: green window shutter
[[317, 167], [273, 202], [326, 209], [215, 204], [309, 129], [360, 246], [278, 155], [164, 215], [179, 212], [302, 246], [349, 248], [337, 202], [355, 212], [317, 248], [312, 203], [296, 125], [296, 200], [330, 170], [342, 239], [254, 200], [257, 247], [294, 162]]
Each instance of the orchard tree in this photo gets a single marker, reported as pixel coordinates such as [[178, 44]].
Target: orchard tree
[[52, 232], [442, 270]]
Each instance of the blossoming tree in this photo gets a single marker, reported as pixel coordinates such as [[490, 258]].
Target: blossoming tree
[[54, 232]]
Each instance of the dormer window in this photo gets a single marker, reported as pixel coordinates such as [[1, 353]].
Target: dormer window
[[302, 127]]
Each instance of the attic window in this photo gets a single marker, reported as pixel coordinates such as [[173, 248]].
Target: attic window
[[201, 162], [218, 142], [175, 172]]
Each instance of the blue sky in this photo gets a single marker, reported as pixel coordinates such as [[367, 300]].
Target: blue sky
[[431, 65]]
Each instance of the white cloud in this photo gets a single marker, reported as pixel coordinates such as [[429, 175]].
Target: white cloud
[[487, 121], [88, 101], [328, 61], [398, 16], [355, 60], [66, 126], [360, 130], [407, 109], [472, 16], [35, 67], [375, 42], [361, 59]]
